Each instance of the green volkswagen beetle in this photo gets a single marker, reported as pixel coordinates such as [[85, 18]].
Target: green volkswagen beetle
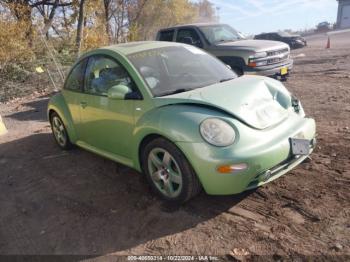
[[181, 117]]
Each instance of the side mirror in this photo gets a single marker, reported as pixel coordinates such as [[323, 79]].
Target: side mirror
[[188, 40], [228, 66], [199, 44], [118, 92]]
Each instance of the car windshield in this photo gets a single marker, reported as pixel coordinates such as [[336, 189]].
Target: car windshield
[[177, 69], [220, 33]]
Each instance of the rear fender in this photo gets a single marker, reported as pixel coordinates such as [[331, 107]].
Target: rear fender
[[58, 104]]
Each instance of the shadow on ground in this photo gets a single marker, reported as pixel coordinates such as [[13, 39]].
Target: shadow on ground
[[36, 111], [78, 203]]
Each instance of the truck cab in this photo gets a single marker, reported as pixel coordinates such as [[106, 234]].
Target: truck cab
[[245, 57]]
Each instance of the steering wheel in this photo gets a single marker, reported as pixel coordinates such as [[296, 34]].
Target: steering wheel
[[187, 75]]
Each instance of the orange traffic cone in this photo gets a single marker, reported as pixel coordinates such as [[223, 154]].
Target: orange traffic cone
[[328, 43]]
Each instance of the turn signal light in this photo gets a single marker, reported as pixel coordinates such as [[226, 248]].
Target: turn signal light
[[229, 169], [252, 64]]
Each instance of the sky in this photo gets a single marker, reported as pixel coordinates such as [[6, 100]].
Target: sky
[[256, 16]]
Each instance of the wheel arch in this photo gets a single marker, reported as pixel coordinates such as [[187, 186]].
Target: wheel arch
[[145, 140], [150, 137], [182, 126], [57, 105], [236, 62]]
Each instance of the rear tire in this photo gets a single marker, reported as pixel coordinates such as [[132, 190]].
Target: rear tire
[[59, 132], [168, 172]]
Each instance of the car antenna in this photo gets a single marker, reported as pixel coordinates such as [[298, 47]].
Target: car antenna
[[51, 54]]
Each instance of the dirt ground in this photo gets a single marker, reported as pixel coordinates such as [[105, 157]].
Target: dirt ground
[[55, 202]]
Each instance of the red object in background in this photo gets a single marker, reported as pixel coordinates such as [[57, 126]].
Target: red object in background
[[328, 43]]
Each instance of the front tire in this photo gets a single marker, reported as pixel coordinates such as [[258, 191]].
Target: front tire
[[168, 172], [60, 132]]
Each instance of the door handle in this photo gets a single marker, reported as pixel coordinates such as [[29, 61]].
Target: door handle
[[83, 104]]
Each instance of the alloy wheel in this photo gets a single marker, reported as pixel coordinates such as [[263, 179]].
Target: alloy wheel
[[59, 131], [165, 172]]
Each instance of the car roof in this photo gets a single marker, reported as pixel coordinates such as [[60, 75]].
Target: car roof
[[134, 47], [193, 24], [268, 33]]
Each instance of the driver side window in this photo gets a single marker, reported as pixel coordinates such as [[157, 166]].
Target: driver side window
[[183, 33], [102, 73]]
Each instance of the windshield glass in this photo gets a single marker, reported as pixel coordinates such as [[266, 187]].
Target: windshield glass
[[220, 33], [176, 69]]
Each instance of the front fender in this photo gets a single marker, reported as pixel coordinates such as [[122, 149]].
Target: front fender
[[58, 104], [177, 123]]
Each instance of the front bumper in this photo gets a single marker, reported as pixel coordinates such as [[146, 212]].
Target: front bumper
[[296, 45], [270, 70], [269, 152], [279, 170]]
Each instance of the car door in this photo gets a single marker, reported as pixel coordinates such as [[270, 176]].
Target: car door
[[184, 33], [106, 124]]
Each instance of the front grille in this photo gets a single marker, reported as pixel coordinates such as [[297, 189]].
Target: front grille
[[276, 60], [277, 56], [278, 52]]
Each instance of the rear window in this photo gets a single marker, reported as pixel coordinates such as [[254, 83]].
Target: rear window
[[166, 35]]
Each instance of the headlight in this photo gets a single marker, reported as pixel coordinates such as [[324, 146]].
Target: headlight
[[217, 132], [261, 63], [255, 61], [259, 55]]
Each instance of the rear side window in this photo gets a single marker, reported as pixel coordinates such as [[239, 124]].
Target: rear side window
[[166, 35], [75, 80]]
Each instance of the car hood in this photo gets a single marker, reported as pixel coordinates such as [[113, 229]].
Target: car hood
[[257, 101], [253, 45]]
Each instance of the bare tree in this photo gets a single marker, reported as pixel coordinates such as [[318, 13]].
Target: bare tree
[[80, 26], [206, 11], [22, 10], [107, 6]]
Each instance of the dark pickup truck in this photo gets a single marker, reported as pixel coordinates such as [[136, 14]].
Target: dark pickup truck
[[255, 57]]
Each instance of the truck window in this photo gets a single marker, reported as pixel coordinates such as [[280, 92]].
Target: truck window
[[182, 33], [166, 35], [275, 36], [264, 36]]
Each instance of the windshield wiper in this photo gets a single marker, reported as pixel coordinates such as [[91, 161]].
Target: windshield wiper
[[176, 91], [226, 79]]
